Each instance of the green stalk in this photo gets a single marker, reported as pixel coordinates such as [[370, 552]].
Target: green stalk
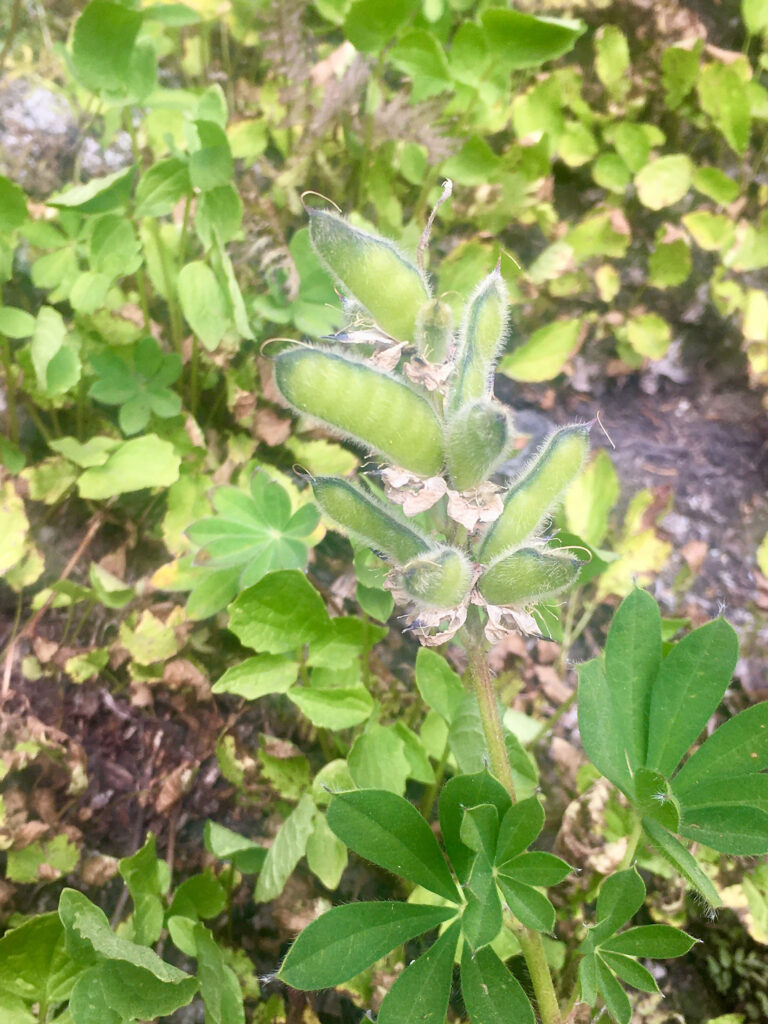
[[634, 839], [10, 389], [530, 941]]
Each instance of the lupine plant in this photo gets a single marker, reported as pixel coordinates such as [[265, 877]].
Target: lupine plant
[[471, 560]]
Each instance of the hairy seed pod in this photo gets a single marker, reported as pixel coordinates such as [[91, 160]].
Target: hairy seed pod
[[538, 489], [476, 440], [434, 330], [378, 411], [480, 341], [527, 575], [373, 270], [366, 519], [440, 578]]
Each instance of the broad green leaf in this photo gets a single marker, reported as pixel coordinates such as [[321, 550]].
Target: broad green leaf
[[491, 994], [130, 990], [545, 353], [654, 798], [286, 851], [345, 642], [416, 754], [629, 971], [199, 897], [370, 25], [347, 939], [610, 172], [482, 917], [102, 46], [34, 964], [13, 205], [670, 262], [661, 941], [620, 897], [147, 879], [16, 323], [114, 247], [682, 861], [715, 184], [600, 725], [755, 15], [693, 678], [333, 707], [612, 59], [588, 978], [528, 905], [537, 868], [219, 986], [161, 187], [474, 163], [203, 303], [616, 999], [712, 232], [219, 214], [520, 825], [590, 498], [377, 760], [146, 461], [649, 335], [679, 71], [99, 195], [723, 96], [738, 747], [631, 144], [94, 452], [211, 165], [519, 40], [437, 683], [279, 613], [212, 592], [664, 181], [222, 842], [420, 994], [258, 676], [57, 365], [419, 55], [326, 855], [632, 663], [730, 815]]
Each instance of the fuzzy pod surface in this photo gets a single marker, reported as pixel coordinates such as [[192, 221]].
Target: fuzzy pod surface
[[477, 438], [527, 575], [480, 340], [373, 270], [434, 330], [440, 578], [365, 519], [369, 406], [538, 489]]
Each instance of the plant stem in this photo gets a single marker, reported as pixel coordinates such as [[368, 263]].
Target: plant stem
[[10, 389], [538, 968], [530, 941], [480, 674], [634, 839]]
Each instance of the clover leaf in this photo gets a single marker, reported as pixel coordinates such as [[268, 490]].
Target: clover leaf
[[140, 389], [254, 532]]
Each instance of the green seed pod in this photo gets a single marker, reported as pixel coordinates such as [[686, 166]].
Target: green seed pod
[[527, 575], [434, 330], [373, 270], [369, 406], [540, 486], [480, 341], [477, 439], [366, 519], [440, 578]]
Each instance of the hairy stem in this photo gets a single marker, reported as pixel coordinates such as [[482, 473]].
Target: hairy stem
[[530, 941]]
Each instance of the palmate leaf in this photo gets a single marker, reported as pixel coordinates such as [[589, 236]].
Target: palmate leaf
[[141, 389], [255, 532]]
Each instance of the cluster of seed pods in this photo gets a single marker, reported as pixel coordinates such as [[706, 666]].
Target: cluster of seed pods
[[449, 431]]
